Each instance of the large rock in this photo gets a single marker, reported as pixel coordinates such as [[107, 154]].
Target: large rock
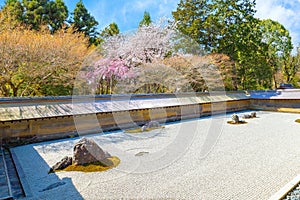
[[253, 114], [64, 163], [88, 151], [249, 116], [246, 116], [235, 118]]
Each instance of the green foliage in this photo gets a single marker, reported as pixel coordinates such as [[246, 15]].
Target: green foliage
[[56, 14], [277, 47], [257, 47], [37, 13], [34, 15], [84, 22], [291, 67], [146, 21], [193, 19], [110, 30], [14, 9]]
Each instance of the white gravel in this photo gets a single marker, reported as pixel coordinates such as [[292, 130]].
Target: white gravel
[[249, 161]]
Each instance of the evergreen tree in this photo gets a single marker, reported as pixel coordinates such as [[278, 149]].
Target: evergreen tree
[[84, 22], [278, 45], [110, 30], [291, 67], [193, 19], [56, 14], [35, 13], [228, 27], [14, 10], [146, 21]]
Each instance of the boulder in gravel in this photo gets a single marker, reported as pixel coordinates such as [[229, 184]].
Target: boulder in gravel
[[246, 116], [249, 116], [87, 151], [253, 114], [235, 118]]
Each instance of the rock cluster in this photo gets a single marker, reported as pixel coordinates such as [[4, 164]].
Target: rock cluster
[[85, 151], [251, 115]]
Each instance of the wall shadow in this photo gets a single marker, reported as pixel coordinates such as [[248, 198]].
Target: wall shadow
[[36, 182]]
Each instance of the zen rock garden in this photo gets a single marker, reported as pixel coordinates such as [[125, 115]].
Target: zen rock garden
[[86, 154]]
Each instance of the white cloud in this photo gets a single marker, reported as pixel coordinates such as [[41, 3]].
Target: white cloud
[[285, 12]]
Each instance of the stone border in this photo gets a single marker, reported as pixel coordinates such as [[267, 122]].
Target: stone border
[[22, 176], [286, 189]]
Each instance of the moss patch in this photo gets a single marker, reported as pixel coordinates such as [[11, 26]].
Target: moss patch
[[240, 122], [139, 130], [96, 166], [297, 120]]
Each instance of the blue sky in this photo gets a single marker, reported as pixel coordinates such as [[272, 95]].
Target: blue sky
[[128, 13]]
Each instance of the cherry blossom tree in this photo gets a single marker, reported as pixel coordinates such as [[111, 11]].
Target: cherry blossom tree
[[121, 54], [104, 73], [146, 45], [135, 62]]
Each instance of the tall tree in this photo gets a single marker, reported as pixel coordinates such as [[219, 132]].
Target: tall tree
[[110, 30], [228, 27], [56, 14], [192, 18], [13, 9], [291, 67], [84, 22], [146, 21], [278, 45], [147, 44], [35, 13]]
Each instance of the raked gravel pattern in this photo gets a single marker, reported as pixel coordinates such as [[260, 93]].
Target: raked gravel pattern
[[249, 161]]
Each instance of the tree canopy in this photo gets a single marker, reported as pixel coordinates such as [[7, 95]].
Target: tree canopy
[[83, 21], [42, 37], [111, 30], [37, 63], [257, 47]]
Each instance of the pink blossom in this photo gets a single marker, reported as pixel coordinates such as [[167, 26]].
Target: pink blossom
[[107, 69]]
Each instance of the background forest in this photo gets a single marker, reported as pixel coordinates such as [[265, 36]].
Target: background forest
[[45, 50]]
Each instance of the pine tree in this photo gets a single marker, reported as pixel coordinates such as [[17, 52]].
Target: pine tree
[[35, 13], [56, 14], [193, 19], [146, 21], [110, 30], [13, 10], [84, 22]]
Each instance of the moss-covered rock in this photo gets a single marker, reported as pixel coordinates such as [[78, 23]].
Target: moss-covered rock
[[99, 166]]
